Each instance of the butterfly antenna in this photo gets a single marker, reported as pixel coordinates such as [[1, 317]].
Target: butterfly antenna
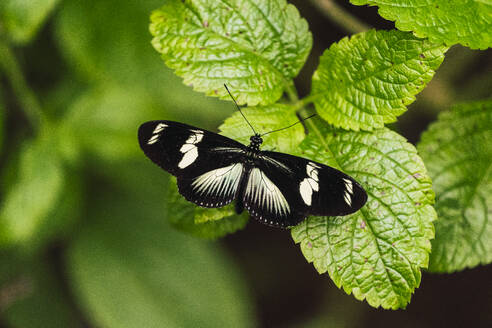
[[239, 108], [290, 125]]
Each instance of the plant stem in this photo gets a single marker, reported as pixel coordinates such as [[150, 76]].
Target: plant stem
[[292, 92], [312, 127], [340, 16], [300, 104], [300, 107], [26, 97]]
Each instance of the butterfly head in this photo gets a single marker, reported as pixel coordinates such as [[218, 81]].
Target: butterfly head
[[255, 142]]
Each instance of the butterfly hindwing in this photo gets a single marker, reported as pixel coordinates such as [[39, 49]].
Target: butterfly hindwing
[[215, 188], [267, 202], [312, 188], [207, 165]]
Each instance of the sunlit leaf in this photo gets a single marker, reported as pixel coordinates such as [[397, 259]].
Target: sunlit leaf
[[22, 18], [256, 46], [468, 22], [265, 119], [367, 80], [377, 252], [457, 150]]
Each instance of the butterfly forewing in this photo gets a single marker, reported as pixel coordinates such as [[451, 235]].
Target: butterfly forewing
[[186, 151], [207, 165], [312, 188]]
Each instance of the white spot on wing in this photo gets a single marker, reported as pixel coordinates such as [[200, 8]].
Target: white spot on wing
[[153, 139], [189, 149], [189, 157], [261, 191], [347, 198], [159, 128], [309, 184], [156, 133], [348, 186], [306, 192]]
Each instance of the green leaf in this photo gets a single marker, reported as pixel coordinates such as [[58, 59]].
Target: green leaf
[[30, 201], [110, 46], [64, 214], [104, 120], [209, 223], [367, 80], [377, 252], [88, 39], [41, 301], [254, 46], [265, 119], [2, 118], [458, 154], [23, 18], [468, 22], [128, 268]]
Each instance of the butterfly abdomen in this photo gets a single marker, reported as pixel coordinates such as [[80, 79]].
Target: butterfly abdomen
[[239, 206]]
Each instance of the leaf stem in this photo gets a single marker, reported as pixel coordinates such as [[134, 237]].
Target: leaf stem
[[300, 108], [340, 16], [26, 97], [300, 104], [292, 92], [314, 128]]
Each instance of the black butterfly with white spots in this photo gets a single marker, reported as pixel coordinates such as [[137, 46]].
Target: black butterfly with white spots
[[276, 189]]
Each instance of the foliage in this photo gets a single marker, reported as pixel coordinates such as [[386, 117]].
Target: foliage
[[87, 223], [467, 22], [265, 119], [141, 272], [63, 180], [255, 46], [457, 151], [200, 222], [368, 80], [29, 202], [377, 252], [22, 19]]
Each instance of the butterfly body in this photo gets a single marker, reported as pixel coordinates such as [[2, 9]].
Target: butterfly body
[[275, 188]]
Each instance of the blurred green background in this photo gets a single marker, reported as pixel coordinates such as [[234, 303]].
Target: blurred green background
[[95, 248]]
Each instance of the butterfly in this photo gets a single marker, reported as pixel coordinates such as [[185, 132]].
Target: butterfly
[[276, 189]]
